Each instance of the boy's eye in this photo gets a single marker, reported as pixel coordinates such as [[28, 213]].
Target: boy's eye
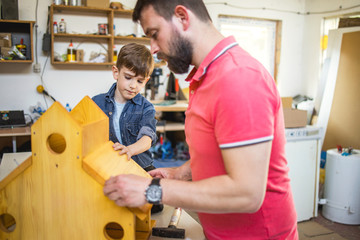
[[127, 77], [140, 82]]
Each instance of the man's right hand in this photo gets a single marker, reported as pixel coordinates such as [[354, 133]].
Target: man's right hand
[[179, 173]]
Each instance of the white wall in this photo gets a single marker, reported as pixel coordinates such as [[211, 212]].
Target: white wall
[[298, 70]]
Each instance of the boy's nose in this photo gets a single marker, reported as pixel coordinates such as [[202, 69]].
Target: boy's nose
[[132, 84]]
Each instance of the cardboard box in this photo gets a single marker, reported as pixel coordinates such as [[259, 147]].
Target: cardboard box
[[80, 55], [286, 102], [5, 51], [293, 117], [5, 40], [98, 3]]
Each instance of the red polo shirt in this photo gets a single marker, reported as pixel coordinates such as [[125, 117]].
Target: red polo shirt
[[234, 102]]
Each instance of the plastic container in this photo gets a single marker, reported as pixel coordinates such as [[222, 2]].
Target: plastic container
[[341, 187], [114, 55], [22, 47], [62, 26], [71, 56], [55, 27], [67, 107]]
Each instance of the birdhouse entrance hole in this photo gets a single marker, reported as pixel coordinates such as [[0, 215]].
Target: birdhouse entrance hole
[[56, 143], [113, 231], [7, 223]]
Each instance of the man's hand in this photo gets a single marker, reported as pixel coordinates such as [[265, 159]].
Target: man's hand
[[163, 173], [179, 173], [127, 190]]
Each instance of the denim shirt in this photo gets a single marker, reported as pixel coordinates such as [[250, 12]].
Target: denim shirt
[[137, 120]]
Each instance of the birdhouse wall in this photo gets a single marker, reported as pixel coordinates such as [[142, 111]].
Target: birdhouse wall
[[94, 124], [55, 198]]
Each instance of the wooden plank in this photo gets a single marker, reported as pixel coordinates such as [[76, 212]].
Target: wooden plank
[[179, 106], [106, 162], [13, 164], [343, 126], [18, 131]]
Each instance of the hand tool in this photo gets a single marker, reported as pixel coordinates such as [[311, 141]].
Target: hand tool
[[171, 231]]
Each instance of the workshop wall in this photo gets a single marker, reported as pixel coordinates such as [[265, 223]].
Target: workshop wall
[[298, 70]]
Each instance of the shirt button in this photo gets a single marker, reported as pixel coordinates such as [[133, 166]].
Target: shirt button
[[192, 91], [110, 113]]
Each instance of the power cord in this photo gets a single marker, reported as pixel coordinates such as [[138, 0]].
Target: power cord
[[280, 10]]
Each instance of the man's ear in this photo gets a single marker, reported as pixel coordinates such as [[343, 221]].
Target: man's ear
[[182, 15], [115, 72]]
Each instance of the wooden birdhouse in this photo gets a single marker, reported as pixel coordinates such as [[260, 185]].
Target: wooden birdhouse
[[57, 192]]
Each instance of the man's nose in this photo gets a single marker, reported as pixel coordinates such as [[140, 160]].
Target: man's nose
[[154, 47]]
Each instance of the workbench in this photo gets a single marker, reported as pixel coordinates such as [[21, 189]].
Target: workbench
[[15, 132]]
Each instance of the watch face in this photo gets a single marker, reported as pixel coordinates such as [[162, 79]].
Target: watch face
[[153, 193]]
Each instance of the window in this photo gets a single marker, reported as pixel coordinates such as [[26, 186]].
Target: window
[[259, 37], [330, 23]]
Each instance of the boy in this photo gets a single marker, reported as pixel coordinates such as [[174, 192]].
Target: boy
[[132, 118]]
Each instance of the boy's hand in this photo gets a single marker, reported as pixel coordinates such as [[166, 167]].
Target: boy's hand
[[122, 150]]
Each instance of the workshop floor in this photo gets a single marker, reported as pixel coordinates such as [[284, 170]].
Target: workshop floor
[[320, 228]]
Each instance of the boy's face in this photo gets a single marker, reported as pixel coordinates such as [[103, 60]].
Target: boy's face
[[128, 85]]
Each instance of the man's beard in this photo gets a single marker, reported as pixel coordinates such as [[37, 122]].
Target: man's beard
[[180, 56]]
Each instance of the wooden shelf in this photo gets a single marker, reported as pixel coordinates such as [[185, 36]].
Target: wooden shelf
[[110, 38], [179, 106], [79, 9], [170, 126], [162, 106], [19, 29], [91, 36]]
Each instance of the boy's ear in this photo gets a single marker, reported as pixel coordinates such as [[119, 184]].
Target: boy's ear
[[115, 72]]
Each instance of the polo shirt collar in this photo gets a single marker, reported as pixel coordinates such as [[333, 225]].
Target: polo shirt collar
[[215, 53]]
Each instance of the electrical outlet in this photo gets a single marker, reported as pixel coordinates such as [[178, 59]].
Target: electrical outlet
[[37, 68]]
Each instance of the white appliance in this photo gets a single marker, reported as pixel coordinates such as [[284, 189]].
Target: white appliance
[[303, 150], [341, 188]]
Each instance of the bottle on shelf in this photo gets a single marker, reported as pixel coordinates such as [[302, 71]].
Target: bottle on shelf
[[22, 47], [55, 27], [114, 54], [62, 26], [67, 107], [71, 52]]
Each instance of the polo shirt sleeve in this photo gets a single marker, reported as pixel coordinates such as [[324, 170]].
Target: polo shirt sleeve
[[245, 108]]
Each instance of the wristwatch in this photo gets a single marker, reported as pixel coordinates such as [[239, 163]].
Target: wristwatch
[[153, 192]]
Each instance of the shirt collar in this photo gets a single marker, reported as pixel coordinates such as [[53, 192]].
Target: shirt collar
[[215, 53]]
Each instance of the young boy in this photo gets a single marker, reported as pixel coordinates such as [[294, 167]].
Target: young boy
[[132, 118]]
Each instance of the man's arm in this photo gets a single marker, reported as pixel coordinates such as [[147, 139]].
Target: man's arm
[[242, 189]]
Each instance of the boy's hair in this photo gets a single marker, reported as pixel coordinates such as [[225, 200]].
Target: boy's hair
[[137, 58], [165, 8]]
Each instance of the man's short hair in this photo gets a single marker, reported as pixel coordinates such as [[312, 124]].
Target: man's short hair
[[137, 58], [165, 8]]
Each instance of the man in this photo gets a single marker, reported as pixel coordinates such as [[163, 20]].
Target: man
[[234, 128]]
